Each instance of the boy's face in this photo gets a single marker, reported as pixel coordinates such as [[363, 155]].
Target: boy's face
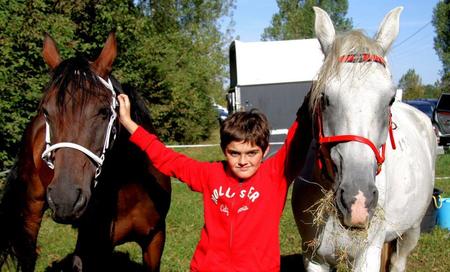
[[244, 159]]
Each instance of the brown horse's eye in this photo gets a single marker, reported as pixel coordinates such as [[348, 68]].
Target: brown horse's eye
[[105, 112], [45, 112]]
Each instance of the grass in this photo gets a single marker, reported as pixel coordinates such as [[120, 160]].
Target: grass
[[185, 220], [433, 251]]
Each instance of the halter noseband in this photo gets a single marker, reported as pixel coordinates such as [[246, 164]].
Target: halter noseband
[[46, 155], [325, 141]]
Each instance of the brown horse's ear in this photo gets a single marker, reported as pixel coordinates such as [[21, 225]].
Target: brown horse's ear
[[50, 52], [103, 64]]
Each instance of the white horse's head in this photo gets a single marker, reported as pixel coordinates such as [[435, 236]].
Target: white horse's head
[[352, 99]]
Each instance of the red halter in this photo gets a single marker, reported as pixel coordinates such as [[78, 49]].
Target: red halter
[[326, 141], [355, 58]]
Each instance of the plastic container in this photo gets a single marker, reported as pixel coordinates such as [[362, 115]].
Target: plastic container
[[444, 213]]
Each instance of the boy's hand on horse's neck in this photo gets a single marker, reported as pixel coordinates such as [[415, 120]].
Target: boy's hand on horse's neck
[[124, 117]]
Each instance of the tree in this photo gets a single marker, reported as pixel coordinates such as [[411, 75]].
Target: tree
[[22, 71], [184, 65], [171, 51], [432, 91], [441, 22], [295, 18], [411, 84]]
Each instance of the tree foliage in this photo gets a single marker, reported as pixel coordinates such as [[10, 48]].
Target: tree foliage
[[441, 22], [295, 18], [432, 91], [411, 84], [171, 51]]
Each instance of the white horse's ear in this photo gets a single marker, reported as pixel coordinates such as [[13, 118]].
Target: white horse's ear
[[389, 29], [324, 29]]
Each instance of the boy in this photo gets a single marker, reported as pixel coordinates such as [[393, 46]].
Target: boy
[[243, 197]]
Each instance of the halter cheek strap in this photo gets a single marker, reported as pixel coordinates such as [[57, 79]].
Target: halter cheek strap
[[47, 154], [324, 141]]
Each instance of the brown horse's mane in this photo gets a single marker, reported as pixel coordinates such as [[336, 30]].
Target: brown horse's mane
[[139, 108], [74, 77]]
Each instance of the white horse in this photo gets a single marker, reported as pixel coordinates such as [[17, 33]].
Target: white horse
[[373, 158]]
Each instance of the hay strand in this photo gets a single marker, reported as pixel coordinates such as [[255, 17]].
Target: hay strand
[[321, 212]]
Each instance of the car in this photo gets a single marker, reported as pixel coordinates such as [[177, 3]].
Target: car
[[441, 118], [222, 112], [424, 105]]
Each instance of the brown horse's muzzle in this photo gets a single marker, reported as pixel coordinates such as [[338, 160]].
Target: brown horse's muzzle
[[67, 202], [69, 192]]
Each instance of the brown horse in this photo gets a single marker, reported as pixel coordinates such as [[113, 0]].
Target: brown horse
[[76, 159]]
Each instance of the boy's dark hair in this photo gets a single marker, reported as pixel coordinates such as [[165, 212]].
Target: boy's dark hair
[[248, 126]]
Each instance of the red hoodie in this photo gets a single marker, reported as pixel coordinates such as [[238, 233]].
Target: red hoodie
[[241, 218]]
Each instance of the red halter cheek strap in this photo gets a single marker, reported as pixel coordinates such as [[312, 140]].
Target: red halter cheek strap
[[324, 142]]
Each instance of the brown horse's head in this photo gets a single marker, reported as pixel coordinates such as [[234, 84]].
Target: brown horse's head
[[79, 109]]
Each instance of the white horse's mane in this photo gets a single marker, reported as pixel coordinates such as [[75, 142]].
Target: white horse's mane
[[352, 42]]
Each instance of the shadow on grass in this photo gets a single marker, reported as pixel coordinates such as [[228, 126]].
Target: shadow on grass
[[121, 262]]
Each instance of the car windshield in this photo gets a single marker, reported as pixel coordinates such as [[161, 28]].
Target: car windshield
[[444, 103]]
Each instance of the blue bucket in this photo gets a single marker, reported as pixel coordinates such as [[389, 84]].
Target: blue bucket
[[444, 213]]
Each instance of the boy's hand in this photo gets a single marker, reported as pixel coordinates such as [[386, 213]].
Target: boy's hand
[[124, 113]]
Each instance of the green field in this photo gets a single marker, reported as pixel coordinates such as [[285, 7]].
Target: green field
[[185, 220]]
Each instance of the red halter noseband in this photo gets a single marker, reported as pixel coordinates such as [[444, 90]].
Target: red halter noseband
[[324, 141]]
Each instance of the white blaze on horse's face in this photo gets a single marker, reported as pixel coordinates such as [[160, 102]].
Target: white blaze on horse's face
[[356, 98]]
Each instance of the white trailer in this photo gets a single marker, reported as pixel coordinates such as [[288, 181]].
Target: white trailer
[[274, 77]]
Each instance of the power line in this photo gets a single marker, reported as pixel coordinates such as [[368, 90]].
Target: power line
[[412, 35]]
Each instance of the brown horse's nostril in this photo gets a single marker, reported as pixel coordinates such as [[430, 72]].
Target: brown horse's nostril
[[80, 203], [50, 201]]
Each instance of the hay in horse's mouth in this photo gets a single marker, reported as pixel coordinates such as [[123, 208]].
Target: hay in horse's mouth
[[321, 211], [323, 208], [326, 207]]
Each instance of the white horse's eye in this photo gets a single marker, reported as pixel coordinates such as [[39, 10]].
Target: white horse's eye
[[392, 101], [325, 101]]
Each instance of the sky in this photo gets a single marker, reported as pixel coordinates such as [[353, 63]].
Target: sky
[[413, 48]]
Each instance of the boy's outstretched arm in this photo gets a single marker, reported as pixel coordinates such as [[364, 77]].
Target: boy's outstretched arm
[[164, 159]]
